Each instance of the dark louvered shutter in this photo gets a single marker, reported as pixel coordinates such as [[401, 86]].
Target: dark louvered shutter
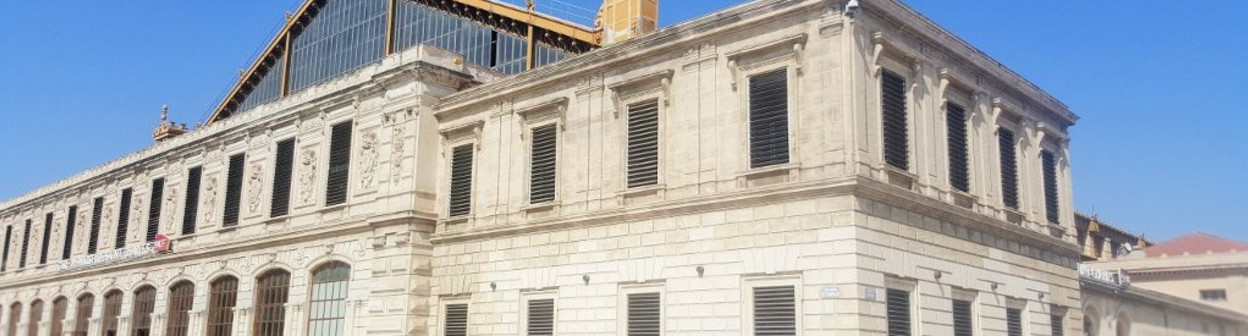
[[1056, 322], [959, 166], [21, 263], [962, 318], [1050, 186], [153, 213], [339, 164], [190, 212], [1009, 168], [8, 236], [70, 223], [895, 120], [282, 174], [456, 320], [461, 180], [644, 315], [47, 239], [775, 311], [541, 319], [542, 165], [93, 237], [233, 190], [1014, 322], [898, 307], [123, 219], [643, 144], [769, 119]]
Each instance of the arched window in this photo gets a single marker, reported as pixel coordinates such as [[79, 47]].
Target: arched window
[[1123, 327], [181, 296], [221, 298], [36, 316], [112, 309], [272, 289], [141, 315], [15, 315], [328, 308], [82, 320], [59, 306]]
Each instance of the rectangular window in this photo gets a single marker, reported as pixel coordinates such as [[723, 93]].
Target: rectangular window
[[123, 218], [898, 308], [8, 236], [282, 174], [775, 310], [153, 209], [339, 164], [1014, 321], [1057, 322], [643, 144], [1050, 186], [540, 317], [21, 263], [190, 210], [959, 157], [962, 321], [47, 239], [70, 224], [1213, 295], [456, 323], [233, 190], [542, 164], [461, 180], [93, 237], [769, 118], [895, 120], [1009, 168]]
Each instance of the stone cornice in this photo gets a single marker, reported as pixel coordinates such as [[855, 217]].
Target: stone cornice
[[416, 63]]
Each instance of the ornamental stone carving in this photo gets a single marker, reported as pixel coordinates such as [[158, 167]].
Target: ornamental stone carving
[[307, 174], [368, 159], [170, 208], [396, 155], [254, 186], [136, 218], [210, 201]]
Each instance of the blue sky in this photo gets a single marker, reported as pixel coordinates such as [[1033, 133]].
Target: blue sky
[[1160, 86]]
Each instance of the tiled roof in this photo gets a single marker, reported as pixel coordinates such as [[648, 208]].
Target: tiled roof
[[1195, 243]]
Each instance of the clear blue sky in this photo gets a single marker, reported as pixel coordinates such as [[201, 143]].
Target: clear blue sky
[[1160, 86]]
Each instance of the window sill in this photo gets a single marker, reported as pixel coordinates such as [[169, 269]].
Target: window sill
[[963, 199], [457, 219], [333, 208], [757, 177], [650, 189], [547, 205]]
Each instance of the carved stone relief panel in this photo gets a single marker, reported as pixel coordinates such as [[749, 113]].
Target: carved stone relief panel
[[368, 159], [255, 186], [307, 175]]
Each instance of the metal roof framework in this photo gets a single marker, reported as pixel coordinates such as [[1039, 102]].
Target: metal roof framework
[[535, 26]]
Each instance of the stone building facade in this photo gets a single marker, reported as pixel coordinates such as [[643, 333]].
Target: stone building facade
[[779, 167]]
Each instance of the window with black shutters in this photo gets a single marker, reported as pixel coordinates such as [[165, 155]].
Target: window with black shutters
[[153, 210], [895, 120], [1057, 323], [1009, 168], [769, 118], [47, 239], [123, 218], [898, 306], [645, 316], [1049, 164], [190, 210], [93, 237], [962, 325], [461, 181], [456, 320], [282, 174], [959, 158], [542, 164], [233, 190], [1014, 322], [21, 263], [775, 310], [339, 164], [643, 144], [540, 319], [8, 236], [70, 224]]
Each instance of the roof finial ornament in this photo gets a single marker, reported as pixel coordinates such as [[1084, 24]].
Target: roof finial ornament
[[531, 5], [167, 129], [164, 114]]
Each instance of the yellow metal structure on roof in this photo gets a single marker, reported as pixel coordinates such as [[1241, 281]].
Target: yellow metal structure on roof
[[532, 18]]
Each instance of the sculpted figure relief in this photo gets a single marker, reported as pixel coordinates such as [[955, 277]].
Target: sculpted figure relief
[[210, 199], [170, 209], [396, 157], [368, 159], [307, 173], [254, 187]]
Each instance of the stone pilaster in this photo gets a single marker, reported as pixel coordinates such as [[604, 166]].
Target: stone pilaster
[[241, 320], [196, 320], [293, 315]]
